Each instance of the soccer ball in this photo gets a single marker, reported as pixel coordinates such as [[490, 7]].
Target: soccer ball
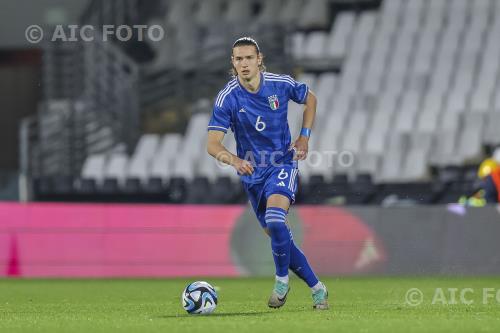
[[199, 298]]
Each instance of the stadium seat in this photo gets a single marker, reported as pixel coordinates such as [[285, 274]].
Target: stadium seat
[[208, 12], [147, 145], [422, 140], [364, 178], [154, 186], [392, 7], [449, 174], [298, 45], [340, 33], [86, 186], [195, 134], [492, 132], [94, 167], [183, 166], [340, 179], [199, 191], [450, 121], [163, 161], [373, 82], [268, 12], [326, 88], [360, 40], [361, 190], [141, 160], [469, 143], [223, 191], [132, 186], [314, 45], [352, 141], [496, 102], [313, 15], [422, 63], [288, 12], [177, 11], [109, 186], [391, 166], [315, 190], [62, 185], [338, 114], [481, 100], [353, 134], [395, 81], [469, 173], [42, 186], [415, 165], [444, 151], [238, 11], [405, 119], [375, 142], [367, 163], [177, 190], [116, 167], [434, 14]]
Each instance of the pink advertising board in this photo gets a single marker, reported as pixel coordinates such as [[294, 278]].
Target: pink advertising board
[[104, 240]]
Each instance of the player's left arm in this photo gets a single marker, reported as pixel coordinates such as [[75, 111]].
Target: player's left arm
[[301, 145]]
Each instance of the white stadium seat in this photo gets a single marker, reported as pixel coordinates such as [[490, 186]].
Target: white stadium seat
[[418, 85], [93, 168], [340, 33], [314, 45], [117, 167]]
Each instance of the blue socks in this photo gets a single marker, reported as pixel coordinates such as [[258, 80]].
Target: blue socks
[[280, 239], [285, 253], [300, 266]]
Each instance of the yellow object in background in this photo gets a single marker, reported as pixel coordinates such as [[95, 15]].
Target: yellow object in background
[[472, 201], [486, 167]]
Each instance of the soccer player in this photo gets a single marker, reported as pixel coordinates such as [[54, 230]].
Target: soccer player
[[254, 104]]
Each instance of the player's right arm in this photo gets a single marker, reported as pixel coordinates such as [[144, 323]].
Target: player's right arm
[[219, 152], [219, 124]]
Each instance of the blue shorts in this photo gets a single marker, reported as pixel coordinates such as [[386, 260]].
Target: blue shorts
[[281, 180]]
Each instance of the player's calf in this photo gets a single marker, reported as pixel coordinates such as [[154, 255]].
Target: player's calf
[[280, 244]]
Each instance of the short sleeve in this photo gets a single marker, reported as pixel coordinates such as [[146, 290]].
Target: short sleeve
[[220, 121], [298, 92]]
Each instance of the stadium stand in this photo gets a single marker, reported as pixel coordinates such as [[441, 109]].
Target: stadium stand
[[409, 88]]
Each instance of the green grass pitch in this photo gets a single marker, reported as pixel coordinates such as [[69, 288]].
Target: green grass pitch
[[357, 305]]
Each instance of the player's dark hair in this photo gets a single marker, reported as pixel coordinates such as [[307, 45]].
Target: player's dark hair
[[247, 41]]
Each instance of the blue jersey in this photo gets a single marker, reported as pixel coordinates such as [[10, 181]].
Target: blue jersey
[[259, 120]]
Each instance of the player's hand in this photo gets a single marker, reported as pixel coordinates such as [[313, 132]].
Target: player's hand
[[301, 147], [243, 167]]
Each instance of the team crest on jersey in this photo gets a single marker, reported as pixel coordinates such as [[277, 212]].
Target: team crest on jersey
[[274, 102]]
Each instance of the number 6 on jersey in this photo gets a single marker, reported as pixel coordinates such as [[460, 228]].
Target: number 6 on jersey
[[260, 125]]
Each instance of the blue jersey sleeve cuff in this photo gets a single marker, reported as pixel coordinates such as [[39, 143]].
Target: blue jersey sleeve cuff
[[217, 128]]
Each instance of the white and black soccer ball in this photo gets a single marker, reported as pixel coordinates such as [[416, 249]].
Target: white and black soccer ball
[[199, 298]]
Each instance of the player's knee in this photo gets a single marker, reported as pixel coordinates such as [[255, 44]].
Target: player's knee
[[278, 232], [276, 222], [278, 201]]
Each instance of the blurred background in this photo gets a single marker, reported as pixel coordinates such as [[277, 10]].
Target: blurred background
[[409, 88]]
